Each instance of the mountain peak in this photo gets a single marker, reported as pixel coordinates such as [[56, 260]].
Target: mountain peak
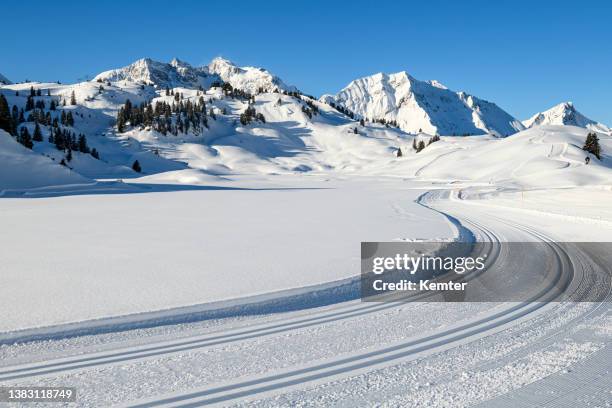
[[222, 61], [178, 63], [565, 113], [4, 80], [423, 106], [250, 79], [161, 74]]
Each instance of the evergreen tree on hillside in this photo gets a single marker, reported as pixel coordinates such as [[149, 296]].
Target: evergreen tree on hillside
[[592, 146], [69, 119], [15, 115], [414, 144], [82, 143], [73, 100], [136, 167], [399, 152], [37, 136], [32, 92], [24, 138], [434, 139], [6, 120], [420, 146], [69, 155], [29, 104], [95, 154]]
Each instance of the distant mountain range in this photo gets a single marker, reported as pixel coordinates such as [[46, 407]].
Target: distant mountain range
[[178, 73], [77, 133], [414, 105]]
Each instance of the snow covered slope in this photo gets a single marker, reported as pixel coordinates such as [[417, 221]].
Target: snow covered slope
[[4, 80], [22, 168], [250, 79], [428, 106], [542, 157], [173, 74], [565, 114]]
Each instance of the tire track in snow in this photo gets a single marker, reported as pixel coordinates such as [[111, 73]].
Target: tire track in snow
[[352, 365]]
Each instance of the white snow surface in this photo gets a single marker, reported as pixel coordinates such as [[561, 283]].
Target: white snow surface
[[166, 249], [565, 114], [242, 186], [423, 105], [20, 168]]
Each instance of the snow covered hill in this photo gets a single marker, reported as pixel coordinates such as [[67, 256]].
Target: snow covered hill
[[21, 168], [250, 79], [428, 106], [4, 80], [565, 114]]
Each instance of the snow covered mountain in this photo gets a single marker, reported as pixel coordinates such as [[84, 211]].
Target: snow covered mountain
[[178, 73], [250, 79], [565, 114], [4, 80], [428, 106], [147, 71]]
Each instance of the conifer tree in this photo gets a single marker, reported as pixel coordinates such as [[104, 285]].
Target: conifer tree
[[83, 144], [420, 146], [592, 145], [69, 119], [73, 100], [25, 138], [6, 120], [399, 152], [37, 136], [136, 167]]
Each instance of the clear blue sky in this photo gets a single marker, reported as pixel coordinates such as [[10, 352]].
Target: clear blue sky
[[524, 55]]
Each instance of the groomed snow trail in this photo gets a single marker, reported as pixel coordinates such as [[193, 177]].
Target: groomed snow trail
[[352, 353]]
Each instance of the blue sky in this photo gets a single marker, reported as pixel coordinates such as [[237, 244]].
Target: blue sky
[[523, 55]]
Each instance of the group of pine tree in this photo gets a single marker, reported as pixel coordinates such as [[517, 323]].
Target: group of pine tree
[[180, 116], [15, 122]]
